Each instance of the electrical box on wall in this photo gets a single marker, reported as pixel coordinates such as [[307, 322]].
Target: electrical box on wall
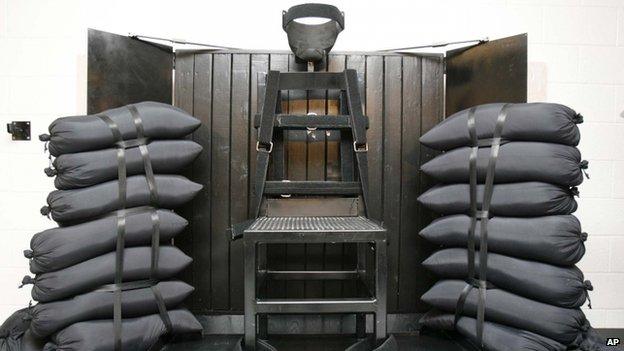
[[19, 130]]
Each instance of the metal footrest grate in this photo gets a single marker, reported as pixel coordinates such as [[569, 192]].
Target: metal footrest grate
[[314, 224]]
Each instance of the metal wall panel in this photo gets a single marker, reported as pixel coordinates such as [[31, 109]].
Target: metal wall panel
[[122, 70], [494, 71], [403, 97]]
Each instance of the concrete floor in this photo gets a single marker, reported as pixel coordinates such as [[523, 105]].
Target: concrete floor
[[315, 343], [333, 343]]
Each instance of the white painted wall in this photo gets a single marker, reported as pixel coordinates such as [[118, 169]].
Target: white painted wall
[[576, 56]]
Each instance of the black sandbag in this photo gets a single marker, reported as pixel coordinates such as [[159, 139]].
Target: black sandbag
[[32, 343], [517, 162], [61, 247], [496, 337], [592, 341], [551, 239], [84, 133], [13, 329], [93, 167], [555, 285], [531, 199], [137, 333], [72, 206], [48, 318], [93, 273], [564, 325], [545, 122]]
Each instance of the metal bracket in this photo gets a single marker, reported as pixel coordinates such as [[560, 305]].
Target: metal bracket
[[20, 130]]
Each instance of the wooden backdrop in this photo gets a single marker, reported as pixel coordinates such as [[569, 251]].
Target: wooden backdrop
[[403, 97]]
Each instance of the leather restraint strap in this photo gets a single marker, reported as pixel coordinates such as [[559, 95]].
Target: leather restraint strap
[[264, 147], [488, 190], [358, 131]]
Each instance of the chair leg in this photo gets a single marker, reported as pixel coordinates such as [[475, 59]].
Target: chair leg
[[360, 325], [381, 282], [250, 295], [263, 326]]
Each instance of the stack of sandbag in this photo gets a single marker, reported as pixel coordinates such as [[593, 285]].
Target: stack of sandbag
[[509, 242], [105, 278]]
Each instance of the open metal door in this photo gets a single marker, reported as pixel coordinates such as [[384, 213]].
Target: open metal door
[[124, 70], [495, 71]]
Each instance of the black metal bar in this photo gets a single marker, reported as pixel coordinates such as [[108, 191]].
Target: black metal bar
[[312, 306], [250, 294], [381, 280], [312, 188], [360, 325], [312, 275], [311, 81], [325, 122]]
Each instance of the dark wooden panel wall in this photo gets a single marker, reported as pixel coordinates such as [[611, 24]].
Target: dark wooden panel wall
[[403, 97]]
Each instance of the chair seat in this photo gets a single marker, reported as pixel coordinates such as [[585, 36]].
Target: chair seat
[[351, 224]]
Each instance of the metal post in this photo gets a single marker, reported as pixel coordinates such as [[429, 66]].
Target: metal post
[[263, 323], [381, 281], [360, 325], [250, 294], [360, 319]]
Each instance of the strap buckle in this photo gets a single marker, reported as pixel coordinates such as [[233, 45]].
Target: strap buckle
[[286, 195], [258, 148], [360, 148]]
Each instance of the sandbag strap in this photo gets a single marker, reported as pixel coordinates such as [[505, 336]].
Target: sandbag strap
[[162, 309], [488, 142], [147, 163], [160, 302], [473, 191], [485, 207], [119, 262], [472, 162], [121, 159], [461, 301], [118, 285], [149, 175], [117, 321], [119, 140], [133, 285], [155, 244]]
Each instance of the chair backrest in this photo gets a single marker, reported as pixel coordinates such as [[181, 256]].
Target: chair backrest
[[283, 197]]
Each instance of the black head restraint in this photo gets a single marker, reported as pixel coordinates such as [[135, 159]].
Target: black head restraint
[[311, 42]]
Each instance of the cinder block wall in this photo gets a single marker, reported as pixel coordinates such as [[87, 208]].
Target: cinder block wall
[[576, 57]]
